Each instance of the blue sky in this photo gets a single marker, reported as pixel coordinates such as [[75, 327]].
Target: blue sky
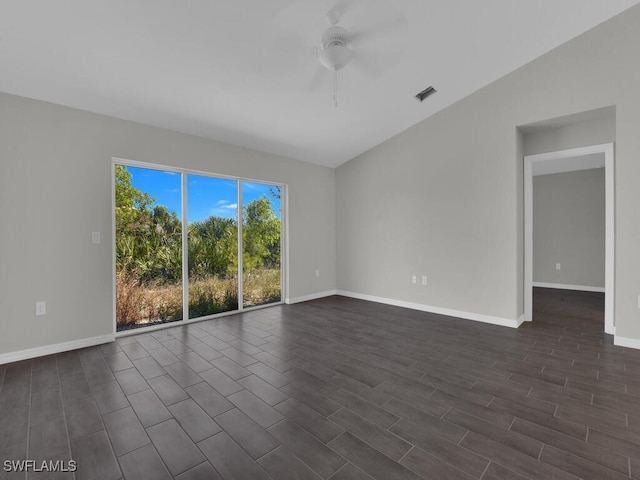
[[206, 195]]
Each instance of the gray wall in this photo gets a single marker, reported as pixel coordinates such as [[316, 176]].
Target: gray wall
[[573, 133], [569, 228], [55, 189], [444, 198]]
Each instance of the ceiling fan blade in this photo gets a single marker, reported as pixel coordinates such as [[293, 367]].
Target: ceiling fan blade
[[319, 79], [286, 52], [391, 32], [340, 9], [378, 31], [365, 68], [374, 64]]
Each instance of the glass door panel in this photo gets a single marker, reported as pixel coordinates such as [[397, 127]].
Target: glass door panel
[[212, 245], [148, 246], [261, 240]]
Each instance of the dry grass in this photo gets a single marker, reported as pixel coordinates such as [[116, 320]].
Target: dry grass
[[212, 295], [140, 304], [261, 286], [137, 304]]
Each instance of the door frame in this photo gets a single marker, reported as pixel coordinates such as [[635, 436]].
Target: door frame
[[529, 161]]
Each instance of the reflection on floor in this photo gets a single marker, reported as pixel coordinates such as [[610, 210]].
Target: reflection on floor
[[565, 307]]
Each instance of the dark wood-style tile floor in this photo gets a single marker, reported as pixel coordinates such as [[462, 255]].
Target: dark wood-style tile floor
[[337, 389]]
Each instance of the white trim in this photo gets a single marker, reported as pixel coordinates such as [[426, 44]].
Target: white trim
[[610, 215], [185, 323], [253, 308], [503, 322], [55, 348], [284, 242], [626, 342], [113, 244], [312, 296], [188, 171], [240, 245], [559, 286], [184, 185], [175, 323], [528, 240], [608, 150]]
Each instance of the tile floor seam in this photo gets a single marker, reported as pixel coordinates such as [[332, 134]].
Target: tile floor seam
[[540, 454], [64, 415], [463, 437], [485, 470], [29, 417], [413, 447]]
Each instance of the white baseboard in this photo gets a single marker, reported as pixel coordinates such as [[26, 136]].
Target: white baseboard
[[626, 342], [313, 296], [56, 348], [504, 322], [560, 286]]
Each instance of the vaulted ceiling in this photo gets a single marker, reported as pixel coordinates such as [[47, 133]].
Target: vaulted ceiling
[[245, 71]]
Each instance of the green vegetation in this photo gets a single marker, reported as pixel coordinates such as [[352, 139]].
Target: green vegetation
[[149, 258]]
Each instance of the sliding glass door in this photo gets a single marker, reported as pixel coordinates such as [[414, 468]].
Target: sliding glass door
[[148, 246], [261, 239], [212, 245], [178, 249]]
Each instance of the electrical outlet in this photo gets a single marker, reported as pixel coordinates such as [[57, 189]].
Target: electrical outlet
[[95, 238], [414, 279], [41, 308], [424, 279], [557, 266]]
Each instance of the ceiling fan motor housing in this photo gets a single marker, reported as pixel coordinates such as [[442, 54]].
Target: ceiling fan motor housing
[[335, 35]]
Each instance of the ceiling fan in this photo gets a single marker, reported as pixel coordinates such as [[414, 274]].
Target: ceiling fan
[[365, 37], [336, 49], [334, 53]]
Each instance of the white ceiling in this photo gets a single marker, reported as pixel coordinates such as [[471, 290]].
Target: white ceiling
[[244, 71]]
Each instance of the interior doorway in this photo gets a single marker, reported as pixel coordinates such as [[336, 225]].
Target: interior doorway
[[564, 161]]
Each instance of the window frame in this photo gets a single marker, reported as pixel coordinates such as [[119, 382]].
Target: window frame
[[184, 172]]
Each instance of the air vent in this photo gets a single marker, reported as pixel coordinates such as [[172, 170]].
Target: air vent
[[425, 93]]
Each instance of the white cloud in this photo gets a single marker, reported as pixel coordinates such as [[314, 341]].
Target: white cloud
[[222, 202], [223, 212], [231, 206]]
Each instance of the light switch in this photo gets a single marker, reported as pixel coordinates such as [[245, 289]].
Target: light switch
[[95, 238]]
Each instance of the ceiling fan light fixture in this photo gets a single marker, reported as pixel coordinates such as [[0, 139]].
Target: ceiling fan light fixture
[[334, 57], [334, 54]]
